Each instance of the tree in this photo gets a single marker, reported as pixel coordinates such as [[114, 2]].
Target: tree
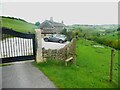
[[64, 31], [118, 28], [37, 23]]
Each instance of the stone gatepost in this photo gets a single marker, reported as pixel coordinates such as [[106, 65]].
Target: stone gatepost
[[39, 46]]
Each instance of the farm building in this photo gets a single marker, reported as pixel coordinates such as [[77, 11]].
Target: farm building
[[49, 26]]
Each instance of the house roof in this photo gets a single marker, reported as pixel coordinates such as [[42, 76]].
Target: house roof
[[51, 24]]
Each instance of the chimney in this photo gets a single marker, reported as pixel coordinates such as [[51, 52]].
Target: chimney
[[51, 19], [62, 22]]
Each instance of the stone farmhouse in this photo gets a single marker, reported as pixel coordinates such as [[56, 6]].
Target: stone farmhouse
[[49, 26]]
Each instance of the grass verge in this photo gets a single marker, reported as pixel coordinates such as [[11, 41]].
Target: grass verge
[[1, 65], [91, 71]]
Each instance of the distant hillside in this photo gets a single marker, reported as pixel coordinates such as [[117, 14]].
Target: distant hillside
[[18, 24], [95, 27], [112, 36]]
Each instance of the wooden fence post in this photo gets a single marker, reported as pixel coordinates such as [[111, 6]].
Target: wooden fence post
[[74, 51], [111, 64], [65, 55], [39, 46], [43, 53]]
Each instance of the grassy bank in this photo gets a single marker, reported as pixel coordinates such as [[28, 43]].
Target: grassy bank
[[92, 70], [18, 25]]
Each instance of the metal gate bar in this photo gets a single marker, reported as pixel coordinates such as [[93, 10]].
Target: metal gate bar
[[16, 46]]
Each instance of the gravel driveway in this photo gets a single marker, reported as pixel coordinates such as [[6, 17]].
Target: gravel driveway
[[24, 75], [53, 45]]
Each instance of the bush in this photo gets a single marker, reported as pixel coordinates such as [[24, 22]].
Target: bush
[[69, 34], [64, 31], [111, 43], [37, 23]]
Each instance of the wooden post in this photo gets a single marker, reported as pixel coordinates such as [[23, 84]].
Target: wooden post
[[65, 55], [111, 64], [39, 46], [43, 53], [74, 51]]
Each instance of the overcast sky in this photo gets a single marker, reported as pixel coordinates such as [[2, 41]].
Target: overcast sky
[[69, 12]]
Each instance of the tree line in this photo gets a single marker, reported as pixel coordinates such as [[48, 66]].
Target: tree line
[[89, 35]]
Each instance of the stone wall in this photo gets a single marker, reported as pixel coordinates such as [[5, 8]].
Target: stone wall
[[60, 54]]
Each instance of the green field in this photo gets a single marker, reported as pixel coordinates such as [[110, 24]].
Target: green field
[[18, 25], [112, 36], [92, 70]]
